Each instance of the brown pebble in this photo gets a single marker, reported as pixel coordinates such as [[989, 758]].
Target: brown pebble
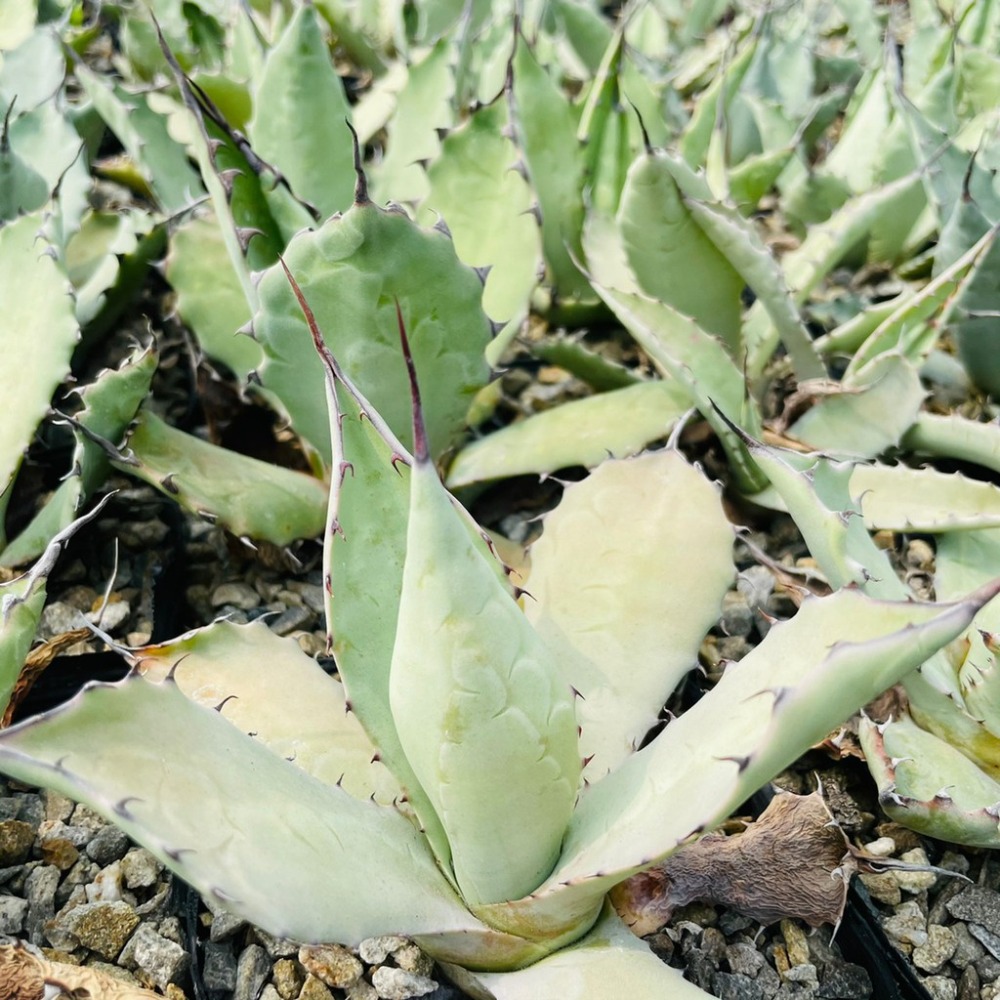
[[16, 838], [331, 963]]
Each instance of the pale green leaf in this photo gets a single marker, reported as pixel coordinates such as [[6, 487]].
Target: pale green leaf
[[423, 106], [923, 500], [39, 329], [872, 410], [265, 685], [351, 270], [299, 117], [581, 432], [484, 717], [251, 498], [609, 954], [929, 786], [210, 297], [126, 751], [546, 132], [807, 677], [486, 204], [672, 258], [625, 602], [110, 404]]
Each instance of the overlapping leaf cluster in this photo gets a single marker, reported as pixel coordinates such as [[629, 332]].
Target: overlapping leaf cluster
[[703, 175]]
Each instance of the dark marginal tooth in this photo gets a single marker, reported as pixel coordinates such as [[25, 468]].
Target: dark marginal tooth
[[244, 234]]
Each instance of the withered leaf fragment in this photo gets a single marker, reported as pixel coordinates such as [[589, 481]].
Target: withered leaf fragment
[[24, 976], [794, 861]]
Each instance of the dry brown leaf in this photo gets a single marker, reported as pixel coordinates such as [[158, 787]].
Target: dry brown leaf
[[24, 976], [794, 861], [38, 659]]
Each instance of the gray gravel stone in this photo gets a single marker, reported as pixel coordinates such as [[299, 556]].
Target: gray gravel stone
[[163, 961], [219, 967], [941, 987], [225, 925], [806, 973], [276, 947], [988, 968], [252, 970], [290, 620], [938, 949], [30, 808], [376, 950], [13, 912], [845, 981], [107, 845], [398, 984], [16, 838], [140, 869], [737, 615], [40, 891], [967, 948], [977, 905], [907, 925], [270, 993], [968, 984], [239, 595], [744, 959], [731, 986], [989, 940]]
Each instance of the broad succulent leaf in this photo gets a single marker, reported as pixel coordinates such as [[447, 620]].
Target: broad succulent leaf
[[486, 205], [210, 297], [202, 823], [585, 432], [350, 269], [870, 413], [299, 113], [610, 953], [39, 328], [253, 499], [915, 327], [802, 681], [33, 69], [366, 527], [145, 136], [923, 500], [423, 107], [928, 785], [953, 435], [673, 259], [266, 686], [606, 594], [816, 491], [49, 145], [482, 713], [680, 349], [110, 404], [546, 131], [743, 249]]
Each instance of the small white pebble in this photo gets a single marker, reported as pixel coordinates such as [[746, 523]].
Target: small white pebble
[[884, 847]]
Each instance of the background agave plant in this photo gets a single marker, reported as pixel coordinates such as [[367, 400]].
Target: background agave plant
[[555, 169]]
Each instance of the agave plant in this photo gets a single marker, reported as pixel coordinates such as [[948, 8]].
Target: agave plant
[[472, 779], [471, 776]]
